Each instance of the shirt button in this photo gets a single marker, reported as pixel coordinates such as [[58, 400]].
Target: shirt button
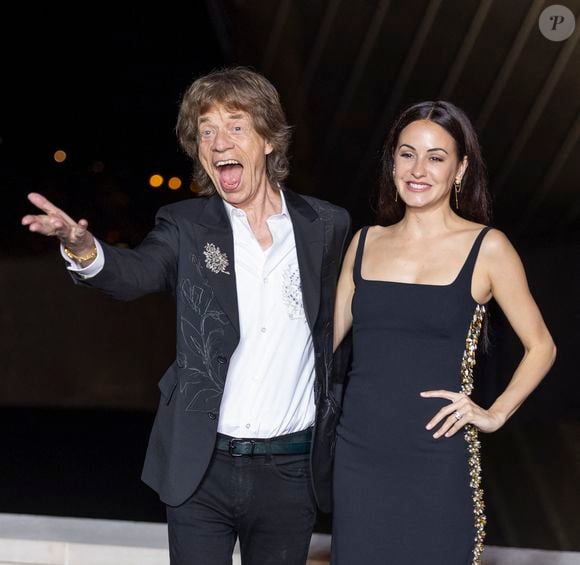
[[263, 330], [211, 415], [265, 280], [221, 359], [248, 426]]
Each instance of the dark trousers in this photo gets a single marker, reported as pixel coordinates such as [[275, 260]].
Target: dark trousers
[[265, 500]]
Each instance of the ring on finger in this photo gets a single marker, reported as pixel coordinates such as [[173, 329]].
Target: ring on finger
[[457, 415]]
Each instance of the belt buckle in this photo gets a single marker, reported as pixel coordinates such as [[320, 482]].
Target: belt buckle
[[234, 441]]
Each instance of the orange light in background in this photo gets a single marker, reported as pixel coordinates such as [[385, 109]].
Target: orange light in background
[[155, 181], [194, 187], [174, 183], [59, 156]]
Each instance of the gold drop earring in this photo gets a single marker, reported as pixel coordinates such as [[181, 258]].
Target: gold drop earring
[[457, 186]]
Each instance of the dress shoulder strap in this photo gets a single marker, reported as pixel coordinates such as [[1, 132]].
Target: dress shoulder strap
[[359, 254], [469, 264]]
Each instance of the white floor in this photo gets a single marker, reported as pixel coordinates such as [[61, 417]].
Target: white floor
[[41, 540]]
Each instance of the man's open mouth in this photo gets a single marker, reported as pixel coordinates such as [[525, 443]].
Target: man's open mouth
[[230, 173]]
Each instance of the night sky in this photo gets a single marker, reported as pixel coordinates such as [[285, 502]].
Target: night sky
[[106, 90]]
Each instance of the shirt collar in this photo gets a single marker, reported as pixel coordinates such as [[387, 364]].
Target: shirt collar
[[232, 211]]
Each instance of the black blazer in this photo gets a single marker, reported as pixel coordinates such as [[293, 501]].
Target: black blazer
[[171, 258]]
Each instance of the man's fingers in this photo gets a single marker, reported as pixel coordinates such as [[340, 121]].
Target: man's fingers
[[42, 203], [48, 207], [54, 222], [38, 224], [50, 225]]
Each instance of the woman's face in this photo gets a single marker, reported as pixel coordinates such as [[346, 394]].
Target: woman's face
[[426, 165]]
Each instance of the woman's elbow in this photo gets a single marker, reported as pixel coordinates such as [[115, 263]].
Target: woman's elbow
[[549, 349], [553, 351]]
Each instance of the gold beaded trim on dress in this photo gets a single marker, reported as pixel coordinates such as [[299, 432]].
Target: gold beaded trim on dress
[[471, 433]]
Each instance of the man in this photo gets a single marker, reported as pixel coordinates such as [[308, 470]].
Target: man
[[246, 409]]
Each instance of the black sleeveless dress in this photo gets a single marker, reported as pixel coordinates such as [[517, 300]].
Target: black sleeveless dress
[[402, 497]]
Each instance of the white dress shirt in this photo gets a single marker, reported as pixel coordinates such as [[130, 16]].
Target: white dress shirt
[[269, 389]]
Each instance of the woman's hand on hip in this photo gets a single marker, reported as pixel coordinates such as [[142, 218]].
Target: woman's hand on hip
[[460, 411]]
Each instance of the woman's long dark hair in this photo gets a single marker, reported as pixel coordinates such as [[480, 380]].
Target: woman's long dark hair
[[474, 198]]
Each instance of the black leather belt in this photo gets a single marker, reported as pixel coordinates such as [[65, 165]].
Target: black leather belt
[[290, 444]]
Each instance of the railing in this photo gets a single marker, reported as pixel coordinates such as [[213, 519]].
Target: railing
[[44, 540]]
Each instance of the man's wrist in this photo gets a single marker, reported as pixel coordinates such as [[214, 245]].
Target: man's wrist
[[90, 256]]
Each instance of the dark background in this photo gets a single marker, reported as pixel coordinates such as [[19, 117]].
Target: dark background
[[79, 371]]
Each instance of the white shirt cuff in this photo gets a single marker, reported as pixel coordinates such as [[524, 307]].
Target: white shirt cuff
[[90, 270]]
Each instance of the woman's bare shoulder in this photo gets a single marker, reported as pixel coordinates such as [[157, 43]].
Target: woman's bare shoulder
[[496, 244], [377, 231]]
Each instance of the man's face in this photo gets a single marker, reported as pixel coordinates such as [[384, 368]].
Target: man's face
[[233, 154]]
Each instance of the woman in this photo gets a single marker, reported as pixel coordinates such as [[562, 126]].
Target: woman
[[414, 290]]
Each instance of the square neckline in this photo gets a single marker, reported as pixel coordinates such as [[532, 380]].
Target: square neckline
[[429, 285]]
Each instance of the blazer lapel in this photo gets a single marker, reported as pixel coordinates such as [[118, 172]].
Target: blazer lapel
[[309, 237], [214, 244]]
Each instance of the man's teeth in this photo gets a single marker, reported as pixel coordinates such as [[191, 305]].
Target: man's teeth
[[226, 162]]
